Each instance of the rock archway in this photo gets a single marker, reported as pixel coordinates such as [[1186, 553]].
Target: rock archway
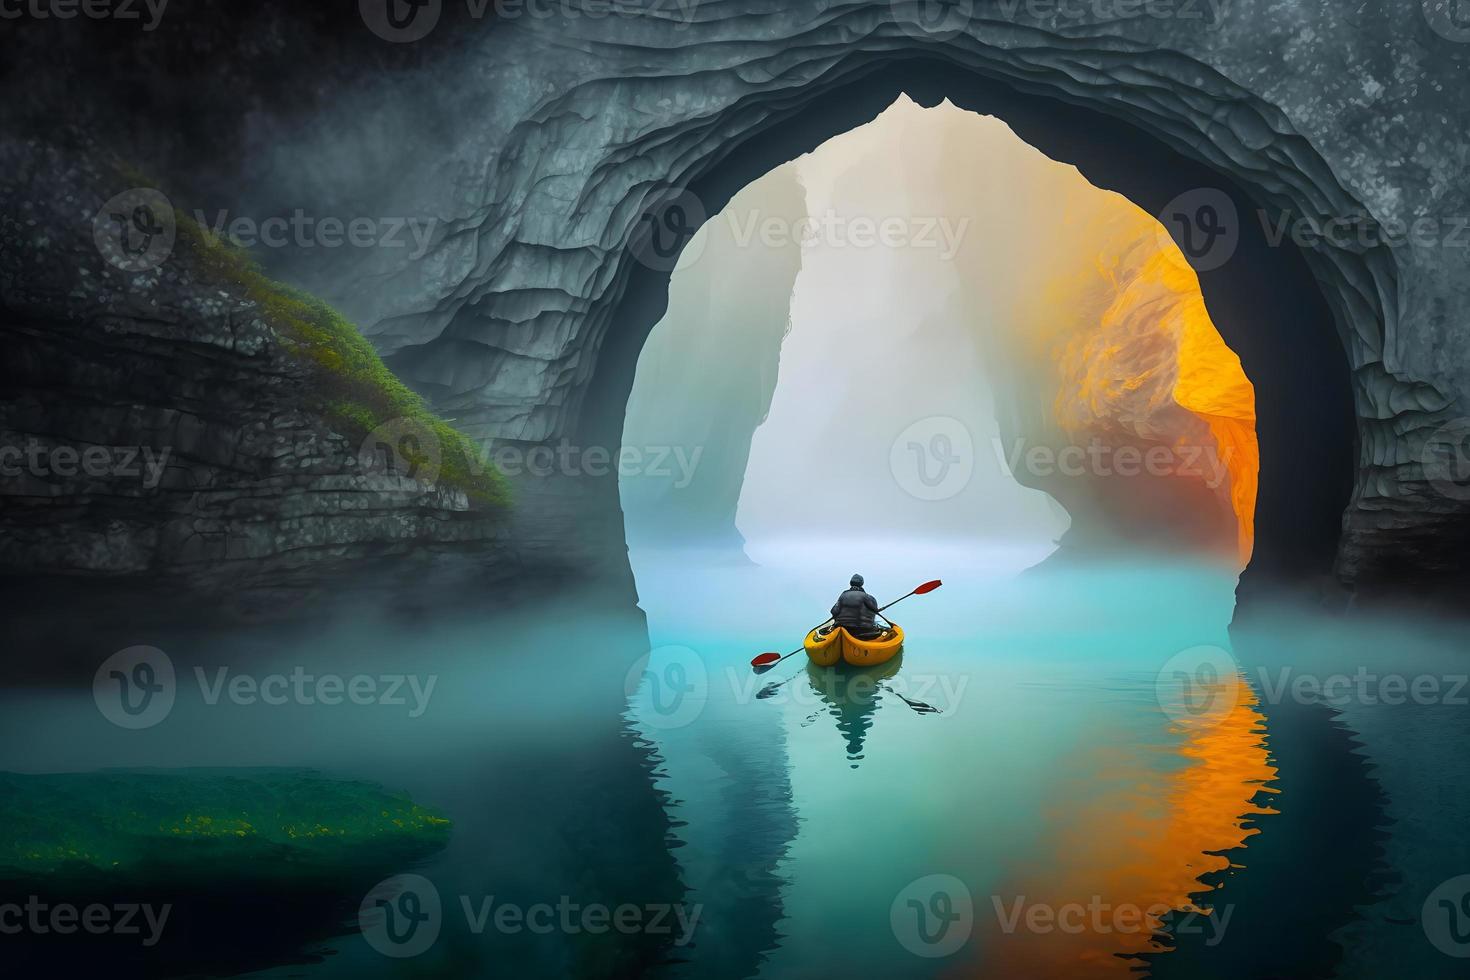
[[538, 143], [534, 333]]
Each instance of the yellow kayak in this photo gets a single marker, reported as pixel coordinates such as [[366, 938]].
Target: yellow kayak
[[827, 647]]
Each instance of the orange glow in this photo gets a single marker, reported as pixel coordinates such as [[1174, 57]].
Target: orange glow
[[1141, 843], [1140, 363]]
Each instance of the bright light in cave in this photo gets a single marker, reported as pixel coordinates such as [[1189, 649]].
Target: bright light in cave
[[935, 334]]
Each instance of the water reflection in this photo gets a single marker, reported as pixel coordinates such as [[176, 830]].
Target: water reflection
[[1056, 774], [1120, 870], [852, 696]]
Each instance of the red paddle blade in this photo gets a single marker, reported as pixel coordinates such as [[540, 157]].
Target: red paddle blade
[[765, 658], [928, 587]]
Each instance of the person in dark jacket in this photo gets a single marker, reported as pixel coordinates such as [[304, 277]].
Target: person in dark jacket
[[854, 611]]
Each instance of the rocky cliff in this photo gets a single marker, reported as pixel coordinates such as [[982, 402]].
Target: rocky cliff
[[175, 423], [542, 145]]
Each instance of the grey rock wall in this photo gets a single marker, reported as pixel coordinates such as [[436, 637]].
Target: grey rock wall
[[716, 359], [157, 432], [577, 127], [537, 146]]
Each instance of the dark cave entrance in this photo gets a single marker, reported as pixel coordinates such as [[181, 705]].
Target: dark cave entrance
[[1265, 302]]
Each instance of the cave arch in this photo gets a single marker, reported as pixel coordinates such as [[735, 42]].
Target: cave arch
[[1268, 302]]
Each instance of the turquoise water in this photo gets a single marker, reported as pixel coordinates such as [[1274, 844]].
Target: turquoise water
[[1079, 790]]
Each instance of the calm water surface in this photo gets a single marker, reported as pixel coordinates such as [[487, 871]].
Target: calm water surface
[[1083, 801]]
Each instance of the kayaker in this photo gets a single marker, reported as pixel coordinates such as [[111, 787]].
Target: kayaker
[[854, 611]]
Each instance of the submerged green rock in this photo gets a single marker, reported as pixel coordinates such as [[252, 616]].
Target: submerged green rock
[[241, 825]]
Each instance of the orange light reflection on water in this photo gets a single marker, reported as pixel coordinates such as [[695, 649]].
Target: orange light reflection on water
[[1131, 847]]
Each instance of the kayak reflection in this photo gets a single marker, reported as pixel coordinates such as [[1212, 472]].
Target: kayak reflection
[[852, 696]]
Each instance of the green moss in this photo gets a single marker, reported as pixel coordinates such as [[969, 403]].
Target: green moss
[[191, 824], [358, 391]]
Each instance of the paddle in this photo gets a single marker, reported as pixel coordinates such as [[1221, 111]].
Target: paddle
[[919, 706], [767, 660]]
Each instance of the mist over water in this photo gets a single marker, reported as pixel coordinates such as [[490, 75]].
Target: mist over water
[[1054, 768], [1062, 768], [884, 417]]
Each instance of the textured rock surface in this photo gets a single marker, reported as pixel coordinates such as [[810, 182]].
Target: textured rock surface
[[717, 359], [157, 431], [539, 144]]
